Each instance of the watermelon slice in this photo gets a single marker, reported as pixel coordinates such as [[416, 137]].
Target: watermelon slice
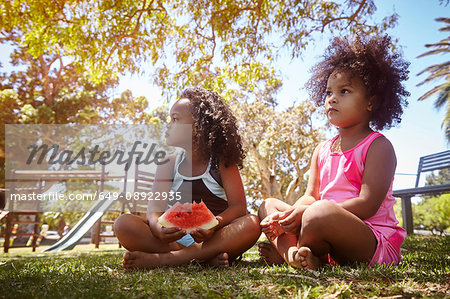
[[276, 229], [189, 217]]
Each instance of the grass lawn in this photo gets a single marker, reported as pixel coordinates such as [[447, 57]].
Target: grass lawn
[[89, 273]]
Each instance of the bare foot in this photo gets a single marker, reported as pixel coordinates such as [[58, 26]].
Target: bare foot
[[219, 261], [305, 259], [140, 260], [269, 254]]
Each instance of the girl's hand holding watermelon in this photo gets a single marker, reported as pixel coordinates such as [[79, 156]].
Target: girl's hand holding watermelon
[[166, 234], [278, 223], [201, 235], [290, 220], [271, 227]]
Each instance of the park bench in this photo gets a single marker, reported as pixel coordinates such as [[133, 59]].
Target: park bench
[[427, 163]]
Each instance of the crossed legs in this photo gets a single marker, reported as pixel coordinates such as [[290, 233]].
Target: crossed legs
[[326, 228], [147, 251]]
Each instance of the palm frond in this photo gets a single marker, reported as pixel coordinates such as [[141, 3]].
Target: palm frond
[[443, 19], [431, 92], [435, 51], [443, 44], [443, 97], [442, 66], [438, 71], [435, 76], [446, 123]]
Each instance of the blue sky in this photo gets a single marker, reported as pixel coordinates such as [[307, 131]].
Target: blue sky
[[420, 131]]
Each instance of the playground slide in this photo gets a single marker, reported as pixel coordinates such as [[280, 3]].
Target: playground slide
[[71, 239]]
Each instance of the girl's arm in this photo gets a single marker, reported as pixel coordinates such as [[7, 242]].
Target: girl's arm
[[234, 190], [237, 204], [312, 189], [378, 173]]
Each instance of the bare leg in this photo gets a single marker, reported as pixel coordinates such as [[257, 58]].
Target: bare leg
[[233, 239], [329, 228], [134, 234], [286, 244]]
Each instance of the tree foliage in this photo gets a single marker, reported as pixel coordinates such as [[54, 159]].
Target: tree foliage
[[434, 213], [280, 146], [439, 71], [441, 178], [46, 91], [186, 42], [71, 53]]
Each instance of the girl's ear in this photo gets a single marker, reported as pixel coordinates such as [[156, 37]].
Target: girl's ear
[[371, 104]]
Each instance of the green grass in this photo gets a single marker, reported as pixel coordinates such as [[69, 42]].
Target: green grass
[[87, 273]]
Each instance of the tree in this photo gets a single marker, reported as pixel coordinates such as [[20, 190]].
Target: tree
[[45, 90], [280, 146], [443, 177], [186, 42], [434, 213], [74, 51], [438, 72]]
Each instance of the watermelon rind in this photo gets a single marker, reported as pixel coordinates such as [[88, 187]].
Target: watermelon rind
[[214, 222], [164, 222]]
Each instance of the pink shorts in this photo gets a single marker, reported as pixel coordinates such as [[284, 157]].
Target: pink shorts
[[388, 250]]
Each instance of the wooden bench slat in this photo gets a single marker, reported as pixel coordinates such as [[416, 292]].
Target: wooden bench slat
[[422, 190], [25, 222], [25, 235], [440, 154], [442, 160], [435, 166], [143, 179], [108, 221], [443, 163], [145, 190], [427, 169], [145, 173], [144, 184], [437, 159]]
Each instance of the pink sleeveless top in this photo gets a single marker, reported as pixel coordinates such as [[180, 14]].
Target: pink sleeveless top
[[341, 177]]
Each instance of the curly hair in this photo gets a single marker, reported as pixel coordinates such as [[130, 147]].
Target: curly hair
[[215, 129], [381, 70]]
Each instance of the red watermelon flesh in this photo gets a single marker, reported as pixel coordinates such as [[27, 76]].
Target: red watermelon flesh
[[189, 217]]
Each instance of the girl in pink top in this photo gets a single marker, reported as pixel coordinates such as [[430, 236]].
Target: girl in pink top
[[346, 214]]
